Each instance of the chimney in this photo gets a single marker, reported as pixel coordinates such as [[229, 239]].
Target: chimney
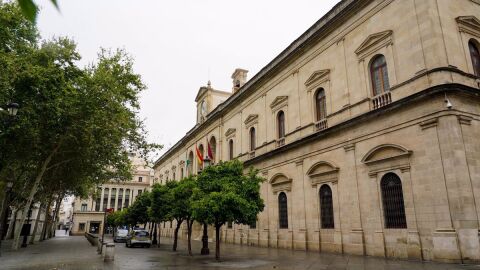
[[239, 77]]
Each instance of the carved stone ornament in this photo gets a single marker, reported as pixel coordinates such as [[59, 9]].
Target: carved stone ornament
[[323, 172], [279, 102], [385, 152], [373, 43], [318, 77], [469, 24], [280, 182], [251, 120], [230, 132]]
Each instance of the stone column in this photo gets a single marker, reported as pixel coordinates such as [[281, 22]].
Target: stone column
[[298, 207], [350, 201], [108, 197], [459, 191]]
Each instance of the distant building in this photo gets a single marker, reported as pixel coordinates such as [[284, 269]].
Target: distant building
[[88, 212], [366, 128]]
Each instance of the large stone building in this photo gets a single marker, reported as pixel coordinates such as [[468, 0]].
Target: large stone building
[[366, 128], [88, 212]]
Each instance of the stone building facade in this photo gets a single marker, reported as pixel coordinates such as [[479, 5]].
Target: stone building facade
[[366, 129], [88, 212]]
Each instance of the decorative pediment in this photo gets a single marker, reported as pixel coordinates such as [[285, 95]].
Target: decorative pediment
[[230, 132], [322, 172], [318, 77], [251, 119], [279, 102], [374, 42], [469, 24], [280, 182], [386, 152], [200, 93]]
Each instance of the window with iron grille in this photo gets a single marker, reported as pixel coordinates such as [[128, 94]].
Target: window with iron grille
[[379, 74], [393, 204], [326, 207], [230, 149], [282, 211]]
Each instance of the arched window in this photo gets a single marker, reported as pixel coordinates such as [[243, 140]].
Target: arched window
[[252, 139], [190, 163], [475, 55], [326, 207], [379, 74], [320, 104], [230, 149], [213, 148], [393, 206], [200, 149], [181, 173], [281, 124], [174, 176], [282, 211]]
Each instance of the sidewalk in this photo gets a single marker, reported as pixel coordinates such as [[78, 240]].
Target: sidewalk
[[61, 252], [75, 253]]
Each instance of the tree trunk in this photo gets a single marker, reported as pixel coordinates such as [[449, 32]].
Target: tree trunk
[[11, 224], [175, 236], [47, 217], [189, 236], [217, 241], [33, 191], [32, 239], [53, 226]]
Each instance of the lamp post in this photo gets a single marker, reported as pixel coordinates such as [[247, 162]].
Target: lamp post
[[3, 215], [205, 250]]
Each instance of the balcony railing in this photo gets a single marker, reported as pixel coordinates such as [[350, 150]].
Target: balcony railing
[[280, 142], [381, 100], [321, 125]]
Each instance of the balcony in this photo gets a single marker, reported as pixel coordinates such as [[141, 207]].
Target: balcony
[[321, 125], [281, 142], [251, 154], [381, 100]]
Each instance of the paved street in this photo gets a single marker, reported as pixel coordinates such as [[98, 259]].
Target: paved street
[[76, 253]]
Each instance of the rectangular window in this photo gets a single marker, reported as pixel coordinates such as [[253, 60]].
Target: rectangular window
[[81, 227], [84, 207], [140, 192], [140, 179]]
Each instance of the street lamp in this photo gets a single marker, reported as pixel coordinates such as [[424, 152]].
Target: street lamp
[[3, 215], [12, 108], [205, 250]]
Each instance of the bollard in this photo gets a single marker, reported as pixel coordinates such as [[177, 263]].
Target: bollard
[[99, 245], [109, 252]]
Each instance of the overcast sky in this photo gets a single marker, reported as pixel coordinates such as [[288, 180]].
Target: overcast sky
[[178, 45]]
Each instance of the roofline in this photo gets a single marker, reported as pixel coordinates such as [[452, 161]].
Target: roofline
[[317, 30]]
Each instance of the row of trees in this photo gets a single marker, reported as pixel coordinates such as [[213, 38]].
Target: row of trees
[[75, 124], [219, 194]]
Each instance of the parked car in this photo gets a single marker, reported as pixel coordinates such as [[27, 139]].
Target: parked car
[[120, 235], [138, 238]]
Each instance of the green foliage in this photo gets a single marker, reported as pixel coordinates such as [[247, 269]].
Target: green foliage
[[225, 194], [161, 202], [138, 212], [181, 199], [30, 9]]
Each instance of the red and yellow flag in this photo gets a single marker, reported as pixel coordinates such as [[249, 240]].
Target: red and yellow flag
[[199, 157]]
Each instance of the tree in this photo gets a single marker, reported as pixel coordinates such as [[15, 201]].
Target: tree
[[138, 212], [30, 9], [181, 207], [226, 194], [161, 200]]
